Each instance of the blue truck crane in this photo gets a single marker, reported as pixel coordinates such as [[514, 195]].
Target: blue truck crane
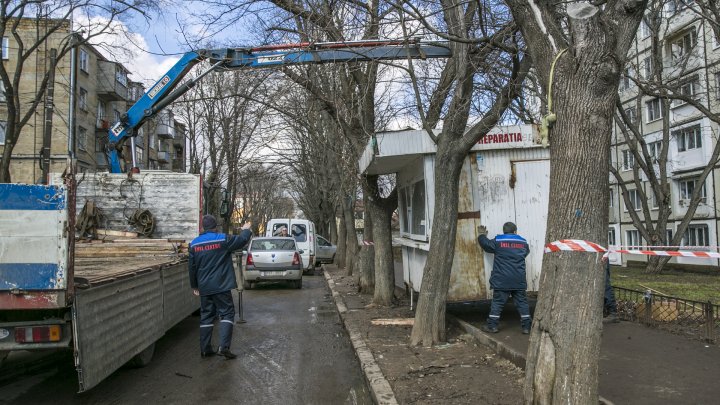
[[166, 90]]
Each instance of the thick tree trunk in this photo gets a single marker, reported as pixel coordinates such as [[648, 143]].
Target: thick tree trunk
[[656, 264], [429, 325], [366, 262], [384, 263], [565, 344], [341, 252], [351, 247]]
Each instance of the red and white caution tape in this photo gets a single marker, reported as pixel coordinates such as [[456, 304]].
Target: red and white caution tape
[[368, 243], [577, 245], [674, 253]]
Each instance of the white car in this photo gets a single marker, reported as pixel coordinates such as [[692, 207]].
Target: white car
[[325, 251], [272, 259]]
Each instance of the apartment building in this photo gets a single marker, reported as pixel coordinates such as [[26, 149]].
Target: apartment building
[[690, 55], [102, 93]]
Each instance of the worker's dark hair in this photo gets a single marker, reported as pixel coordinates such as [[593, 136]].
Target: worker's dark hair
[[509, 227]]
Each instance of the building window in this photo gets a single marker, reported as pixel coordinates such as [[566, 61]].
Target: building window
[[116, 115], [151, 141], [654, 149], [612, 198], [413, 210], [3, 97], [82, 138], [681, 47], [121, 76], [6, 48], [611, 236], [688, 88], [644, 29], [654, 109], [627, 79], [688, 138], [139, 155], [83, 99], [717, 85], [631, 115], [648, 68], [628, 160], [687, 186], [84, 61], [668, 236], [634, 198], [696, 235], [3, 127], [632, 238]]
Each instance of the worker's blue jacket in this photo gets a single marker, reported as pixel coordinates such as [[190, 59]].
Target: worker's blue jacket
[[210, 262], [508, 271]]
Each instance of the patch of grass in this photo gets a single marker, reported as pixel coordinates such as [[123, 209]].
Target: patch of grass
[[692, 286]]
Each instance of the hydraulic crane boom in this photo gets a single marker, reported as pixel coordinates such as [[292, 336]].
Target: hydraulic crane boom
[[166, 90]]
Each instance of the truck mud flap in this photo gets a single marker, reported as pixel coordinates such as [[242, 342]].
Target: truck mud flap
[[115, 321]]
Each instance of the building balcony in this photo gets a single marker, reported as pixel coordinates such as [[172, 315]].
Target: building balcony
[[108, 86], [164, 131], [163, 157]]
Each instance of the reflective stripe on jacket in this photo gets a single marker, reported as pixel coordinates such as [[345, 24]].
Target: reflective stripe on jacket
[[210, 261], [510, 250]]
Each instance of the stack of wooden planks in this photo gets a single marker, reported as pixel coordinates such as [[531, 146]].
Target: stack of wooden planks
[[130, 247], [101, 261]]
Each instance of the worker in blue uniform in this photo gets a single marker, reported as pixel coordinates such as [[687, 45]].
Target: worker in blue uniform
[[212, 278], [507, 278]]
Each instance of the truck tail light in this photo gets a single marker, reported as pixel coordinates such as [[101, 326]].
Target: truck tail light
[[296, 259], [250, 261], [38, 334]]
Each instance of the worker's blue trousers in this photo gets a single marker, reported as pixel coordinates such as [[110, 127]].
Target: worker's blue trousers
[[610, 303], [216, 306], [500, 297]]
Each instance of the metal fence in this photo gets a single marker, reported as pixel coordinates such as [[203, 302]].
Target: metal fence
[[696, 319]]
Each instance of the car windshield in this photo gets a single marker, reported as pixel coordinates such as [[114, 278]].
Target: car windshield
[[272, 244]]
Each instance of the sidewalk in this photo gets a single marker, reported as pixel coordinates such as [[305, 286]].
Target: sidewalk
[[638, 364]]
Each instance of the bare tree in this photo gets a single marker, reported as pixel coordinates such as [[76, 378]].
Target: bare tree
[[54, 26], [649, 157], [579, 51]]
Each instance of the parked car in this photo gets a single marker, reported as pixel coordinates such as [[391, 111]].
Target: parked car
[[272, 259], [325, 251], [303, 231]]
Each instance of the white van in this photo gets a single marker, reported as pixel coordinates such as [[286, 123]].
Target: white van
[[303, 231]]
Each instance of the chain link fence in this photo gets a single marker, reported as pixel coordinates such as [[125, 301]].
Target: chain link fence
[[700, 320]]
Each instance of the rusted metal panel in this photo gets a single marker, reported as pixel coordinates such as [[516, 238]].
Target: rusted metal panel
[[32, 300], [178, 300], [114, 322], [467, 274], [172, 198]]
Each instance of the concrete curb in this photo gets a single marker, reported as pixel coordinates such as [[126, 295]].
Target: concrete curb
[[505, 351], [380, 388]]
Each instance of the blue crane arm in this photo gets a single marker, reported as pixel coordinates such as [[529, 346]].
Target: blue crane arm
[[166, 90]]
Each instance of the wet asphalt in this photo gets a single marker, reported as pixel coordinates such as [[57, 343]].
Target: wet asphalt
[[292, 349]]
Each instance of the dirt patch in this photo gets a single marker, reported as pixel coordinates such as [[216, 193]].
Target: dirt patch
[[458, 372]]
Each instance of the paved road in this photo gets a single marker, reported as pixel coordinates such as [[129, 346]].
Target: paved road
[[292, 350]]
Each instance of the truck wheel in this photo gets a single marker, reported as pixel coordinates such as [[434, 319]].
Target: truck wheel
[[247, 285], [143, 358], [298, 284]]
